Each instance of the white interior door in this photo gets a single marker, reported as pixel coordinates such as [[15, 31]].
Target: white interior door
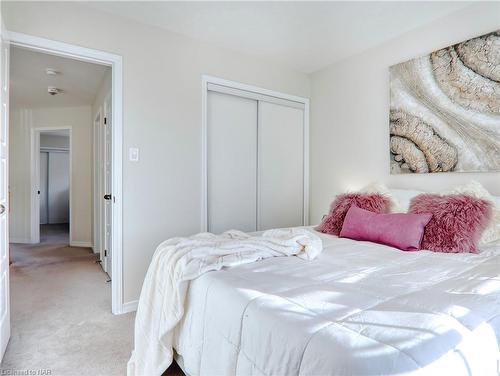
[[44, 171], [102, 192], [108, 178], [58, 187], [280, 166], [232, 162], [96, 188], [4, 199]]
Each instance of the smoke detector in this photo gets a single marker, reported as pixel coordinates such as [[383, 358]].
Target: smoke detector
[[54, 90], [52, 72]]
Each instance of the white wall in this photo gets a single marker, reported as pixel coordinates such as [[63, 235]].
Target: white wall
[[350, 112], [21, 123], [19, 178], [162, 115]]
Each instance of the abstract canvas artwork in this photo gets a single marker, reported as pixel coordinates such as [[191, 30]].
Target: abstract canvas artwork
[[445, 109]]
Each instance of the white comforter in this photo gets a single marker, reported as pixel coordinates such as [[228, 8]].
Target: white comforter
[[179, 260], [358, 309]]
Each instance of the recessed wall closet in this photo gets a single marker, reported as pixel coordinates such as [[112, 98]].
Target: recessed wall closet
[[255, 160]]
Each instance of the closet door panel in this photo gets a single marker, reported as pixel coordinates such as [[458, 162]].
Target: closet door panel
[[58, 184], [280, 166], [44, 159], [232, 162]]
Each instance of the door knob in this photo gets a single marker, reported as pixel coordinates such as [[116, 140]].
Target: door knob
[[2, 208], [107, 196]]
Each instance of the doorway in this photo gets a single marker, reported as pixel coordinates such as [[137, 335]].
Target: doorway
[[54, 184], [51, 182], [113, 243], [8, 40]]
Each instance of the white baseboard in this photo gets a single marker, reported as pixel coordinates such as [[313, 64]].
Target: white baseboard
[[80, 244], [130, 306], [19, 241]]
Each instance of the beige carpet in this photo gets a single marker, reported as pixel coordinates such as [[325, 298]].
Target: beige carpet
[[61, 311]]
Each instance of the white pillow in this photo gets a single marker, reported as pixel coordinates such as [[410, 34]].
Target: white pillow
[[400, 197], [497, 200], [492, 232], [404, 196]]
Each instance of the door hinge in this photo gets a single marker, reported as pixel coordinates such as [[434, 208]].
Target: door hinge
[[105, 253], [105, 121]]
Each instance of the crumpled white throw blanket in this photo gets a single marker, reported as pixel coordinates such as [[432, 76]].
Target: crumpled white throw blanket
[[179, 260]]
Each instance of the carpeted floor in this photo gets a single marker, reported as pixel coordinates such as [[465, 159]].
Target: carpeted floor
[[61, 311]]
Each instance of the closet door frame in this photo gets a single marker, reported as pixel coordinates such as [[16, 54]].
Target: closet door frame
[[253, 92], [35, 179]]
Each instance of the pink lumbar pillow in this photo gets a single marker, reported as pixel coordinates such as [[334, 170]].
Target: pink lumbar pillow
[[457, 222], [374, 202], [399, 230]]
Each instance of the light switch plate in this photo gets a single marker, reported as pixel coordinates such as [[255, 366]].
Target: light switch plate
[[133, 154]]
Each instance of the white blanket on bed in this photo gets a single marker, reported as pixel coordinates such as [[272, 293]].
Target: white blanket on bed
[[179, 260], [359, 308]]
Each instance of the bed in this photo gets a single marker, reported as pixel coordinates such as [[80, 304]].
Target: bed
[[358, 309]]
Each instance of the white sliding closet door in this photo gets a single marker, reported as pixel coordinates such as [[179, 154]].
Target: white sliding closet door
[[231, 162], [280, 166], [44, 185], [58, 183]]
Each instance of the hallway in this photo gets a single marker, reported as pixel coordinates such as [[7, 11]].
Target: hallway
[[61, 311]]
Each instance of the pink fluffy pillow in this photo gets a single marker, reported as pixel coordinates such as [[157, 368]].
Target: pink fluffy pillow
[[399, 230], [457, 221], [374, 202]]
